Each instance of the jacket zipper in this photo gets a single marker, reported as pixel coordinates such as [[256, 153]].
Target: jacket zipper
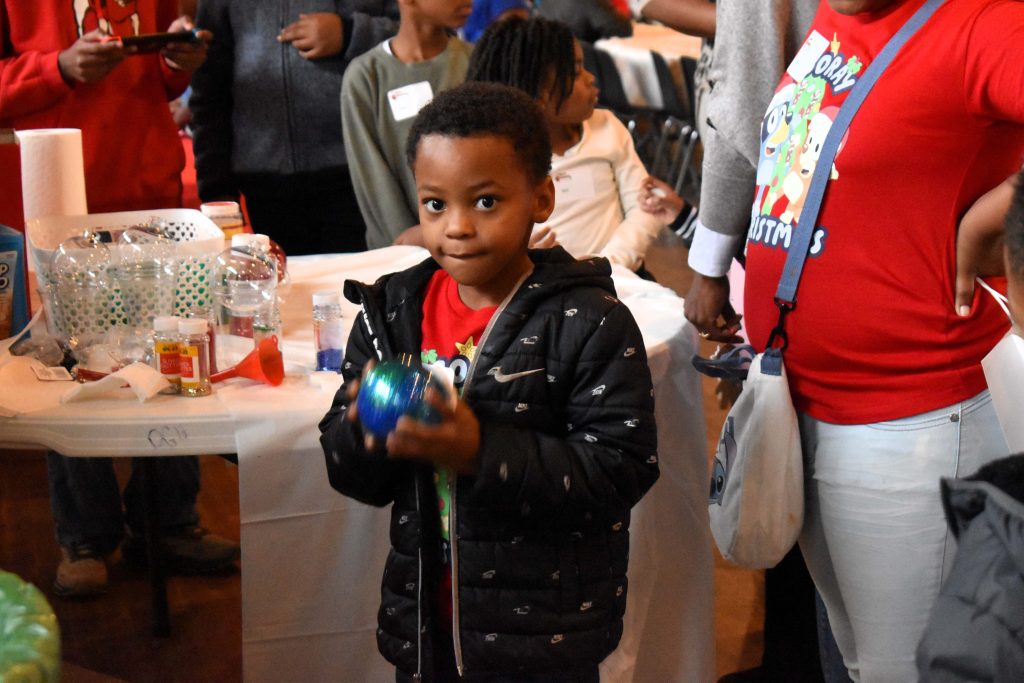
[[419, 595], [452, 525]]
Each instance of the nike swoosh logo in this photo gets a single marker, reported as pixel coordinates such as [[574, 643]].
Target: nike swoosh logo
[[500, 376]]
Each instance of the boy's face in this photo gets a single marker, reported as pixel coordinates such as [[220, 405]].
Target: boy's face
[[450, 14], [477, 209], [579, 105]]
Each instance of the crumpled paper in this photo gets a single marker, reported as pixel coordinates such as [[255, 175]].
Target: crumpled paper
[[145, 381]]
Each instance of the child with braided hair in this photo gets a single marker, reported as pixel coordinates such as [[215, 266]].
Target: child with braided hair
[[598, 175]]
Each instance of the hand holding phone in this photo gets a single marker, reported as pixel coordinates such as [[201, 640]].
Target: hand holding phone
[[152, 42]]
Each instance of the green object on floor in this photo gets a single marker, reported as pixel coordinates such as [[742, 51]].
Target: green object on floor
[[29, 634]]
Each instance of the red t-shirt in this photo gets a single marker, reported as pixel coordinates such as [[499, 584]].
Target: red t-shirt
[[874, 335], [451, 331]]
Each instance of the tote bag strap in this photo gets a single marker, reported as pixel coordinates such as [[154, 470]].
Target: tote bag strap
[[785, 295]]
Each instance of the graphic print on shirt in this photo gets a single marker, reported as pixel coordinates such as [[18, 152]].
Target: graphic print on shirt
[[454, 367], [793, 132], [114, 17]]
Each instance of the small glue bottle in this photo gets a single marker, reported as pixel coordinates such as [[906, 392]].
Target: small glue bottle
[[227, 216], [328, 331], [195, 357], [167, 351]]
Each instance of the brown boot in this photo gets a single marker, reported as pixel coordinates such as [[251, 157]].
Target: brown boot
[[82, 572], [191, 550]]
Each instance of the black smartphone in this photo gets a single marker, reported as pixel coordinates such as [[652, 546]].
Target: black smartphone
[[151, 42]]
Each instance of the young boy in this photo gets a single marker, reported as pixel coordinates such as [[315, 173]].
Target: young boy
[[380, 95], [510, 520]]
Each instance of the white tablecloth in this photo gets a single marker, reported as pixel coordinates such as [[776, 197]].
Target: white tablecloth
[[312, 559], [632, 57]]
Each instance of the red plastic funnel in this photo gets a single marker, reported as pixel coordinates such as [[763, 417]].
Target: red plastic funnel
[[263, 364]]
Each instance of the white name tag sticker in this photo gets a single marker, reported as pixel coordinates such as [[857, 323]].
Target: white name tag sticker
[[407, 101], [574, 185], [813, 47]]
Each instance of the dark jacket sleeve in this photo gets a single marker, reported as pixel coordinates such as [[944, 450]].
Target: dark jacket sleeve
[[607, 461], [369, 477], [211, 105], [371, 23]]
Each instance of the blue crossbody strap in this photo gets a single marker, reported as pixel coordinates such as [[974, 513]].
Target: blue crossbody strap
[[785, 296]]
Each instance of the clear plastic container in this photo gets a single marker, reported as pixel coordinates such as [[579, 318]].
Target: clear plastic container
[[328, 331], [244, 286]]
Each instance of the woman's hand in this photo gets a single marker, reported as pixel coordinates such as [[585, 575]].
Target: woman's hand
[[979, 243], [707, 308]]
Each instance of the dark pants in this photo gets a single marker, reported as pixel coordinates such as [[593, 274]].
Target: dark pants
[[306, 213], [790, 623], [86, 500]]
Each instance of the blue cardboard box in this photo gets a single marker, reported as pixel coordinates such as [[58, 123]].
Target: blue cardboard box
[[13, 283]]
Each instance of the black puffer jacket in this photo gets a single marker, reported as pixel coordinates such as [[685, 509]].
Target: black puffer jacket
[[540, 534]]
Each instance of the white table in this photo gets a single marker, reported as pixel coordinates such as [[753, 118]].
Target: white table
[[633, 61], [312, 559]]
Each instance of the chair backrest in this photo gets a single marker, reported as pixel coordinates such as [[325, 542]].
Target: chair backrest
[[674, 101], [613, 95]]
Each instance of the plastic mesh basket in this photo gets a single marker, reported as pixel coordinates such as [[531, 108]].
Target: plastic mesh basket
[[198, 241]]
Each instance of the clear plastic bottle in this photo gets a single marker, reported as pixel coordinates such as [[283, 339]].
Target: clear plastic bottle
[[244, 285], [328, 331], [266, 319], [227, 216], [195, 357], [167, 350]]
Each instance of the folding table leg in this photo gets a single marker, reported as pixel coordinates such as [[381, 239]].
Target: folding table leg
[[154, 553]]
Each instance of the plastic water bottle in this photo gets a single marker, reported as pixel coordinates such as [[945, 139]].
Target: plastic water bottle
[[244, 283], [328, 331], [266, 320]]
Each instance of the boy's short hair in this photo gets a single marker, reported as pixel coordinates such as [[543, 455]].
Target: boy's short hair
[[526, 53], [481, 109], [1015, 229]]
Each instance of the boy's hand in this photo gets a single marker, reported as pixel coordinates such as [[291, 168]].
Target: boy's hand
[[186, 57], [90, 58], [315, 35], [454, 443], [660, 200], [413, 236], [543, 238]]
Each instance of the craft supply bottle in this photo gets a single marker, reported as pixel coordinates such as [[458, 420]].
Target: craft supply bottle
[[167, 350], [227, 216], [266, 318], [328, 331], [195, 357]]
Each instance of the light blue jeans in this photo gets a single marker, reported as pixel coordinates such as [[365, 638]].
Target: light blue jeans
[[875, 537]]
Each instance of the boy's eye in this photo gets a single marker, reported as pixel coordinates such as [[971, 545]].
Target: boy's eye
[[486, 203], [433, 205]]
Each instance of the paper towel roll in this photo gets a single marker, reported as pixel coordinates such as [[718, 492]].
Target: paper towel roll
[[52, 172]]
